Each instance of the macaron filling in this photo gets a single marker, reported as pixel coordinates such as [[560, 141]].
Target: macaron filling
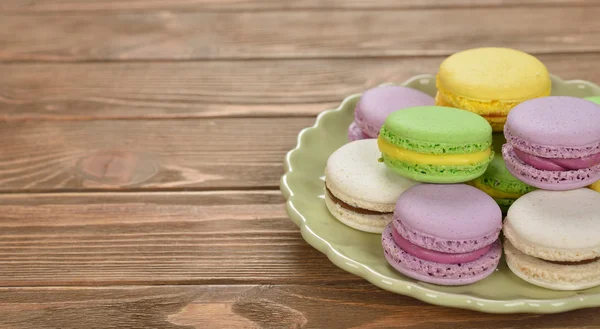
[[405, 155], [436, 256], [351, 207], [557, 164], [581, 262], [436, 272], [430, 242], [548, 179]]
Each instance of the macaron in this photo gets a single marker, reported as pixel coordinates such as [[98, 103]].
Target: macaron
[[355, 133], [444, 234], [360, 191], [491, 81], [553, 143], [552, 239], [436, 144], [595, 99], [377, 103], [498, 182], [596, 186]]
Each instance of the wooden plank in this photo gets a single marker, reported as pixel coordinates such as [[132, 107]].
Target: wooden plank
[[220, 5], [253, 307], [155, 238], [167, 35], [84, 91], [145, 154]]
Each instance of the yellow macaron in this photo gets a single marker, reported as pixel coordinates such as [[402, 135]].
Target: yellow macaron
[[491, 81], [596, 186]]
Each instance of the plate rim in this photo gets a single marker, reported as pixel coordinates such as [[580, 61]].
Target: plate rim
[[412, 289]]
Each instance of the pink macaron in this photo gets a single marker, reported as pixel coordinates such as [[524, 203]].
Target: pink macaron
[[553, 143], [444, 234], [376, 104]]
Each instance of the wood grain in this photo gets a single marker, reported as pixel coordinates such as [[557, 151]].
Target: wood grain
[[252, 307], [196, 154], [237, 5], [167, 35], [155, 238], [32, 91]]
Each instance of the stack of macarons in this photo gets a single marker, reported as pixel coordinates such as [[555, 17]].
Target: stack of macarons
[[553, 143], [436, 175]]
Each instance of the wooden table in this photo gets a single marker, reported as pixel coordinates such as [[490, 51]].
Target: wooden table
[[142, 145]]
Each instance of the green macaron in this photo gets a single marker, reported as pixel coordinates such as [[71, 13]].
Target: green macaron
[[498, 182], [595, 99], [436, 144]]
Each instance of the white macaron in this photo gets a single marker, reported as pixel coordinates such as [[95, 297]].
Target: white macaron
[[554, 240], [360, 191]]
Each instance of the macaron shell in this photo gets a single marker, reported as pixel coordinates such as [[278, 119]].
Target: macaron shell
[[595, 99], [549, 275], [361, 222], [543, 252], [494, 74], [546, 179], [596, 186], [437, 130], [377, 103], [555, 127], [435, 174], [355, 133], [557, 225], [437, 273], [504, 204], [354, 175], [456, 212]]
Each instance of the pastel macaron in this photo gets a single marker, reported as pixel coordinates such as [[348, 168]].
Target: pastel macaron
[[360, 191], [596, 99], [377, 103], [553, 142], [444, 234], [498, 182], [552, 238], [491, 81], [436, 144]]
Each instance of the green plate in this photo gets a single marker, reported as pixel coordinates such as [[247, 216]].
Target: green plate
[[361, 253]]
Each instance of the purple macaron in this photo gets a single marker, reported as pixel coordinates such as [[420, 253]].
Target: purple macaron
[[553, 143], [444, 234], [376, 104]]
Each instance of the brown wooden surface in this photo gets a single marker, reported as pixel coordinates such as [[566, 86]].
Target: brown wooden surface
[[271, 88], [166, 35], [251, 306], [155, 238], [141, 145], [238, 5], [219, 153]]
